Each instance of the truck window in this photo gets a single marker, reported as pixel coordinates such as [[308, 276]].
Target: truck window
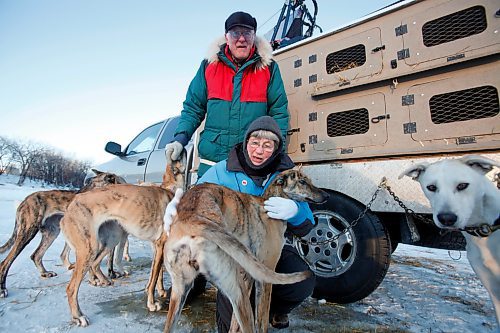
[[144, 141], [168, 133]]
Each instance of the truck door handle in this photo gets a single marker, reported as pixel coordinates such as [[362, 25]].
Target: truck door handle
[[141, 161]]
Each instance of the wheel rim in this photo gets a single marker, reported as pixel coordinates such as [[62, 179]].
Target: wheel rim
[[331, 258]]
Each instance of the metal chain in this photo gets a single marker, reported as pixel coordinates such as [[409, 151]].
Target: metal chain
[[351, 225], [382, 184]]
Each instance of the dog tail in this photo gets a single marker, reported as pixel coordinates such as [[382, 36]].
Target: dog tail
[[240, 253], [11, 240]]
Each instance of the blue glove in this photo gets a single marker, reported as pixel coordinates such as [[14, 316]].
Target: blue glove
[[281, 208]]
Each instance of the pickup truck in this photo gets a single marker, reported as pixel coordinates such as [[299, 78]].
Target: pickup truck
[[143, 159]]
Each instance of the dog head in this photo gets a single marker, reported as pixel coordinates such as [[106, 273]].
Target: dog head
[[294, 185], [175, 174], [457, 190], [102, 179]]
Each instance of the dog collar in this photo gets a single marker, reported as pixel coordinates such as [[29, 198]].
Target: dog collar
[[484, 230]]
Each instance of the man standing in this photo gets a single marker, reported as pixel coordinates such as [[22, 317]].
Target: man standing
[[235, 85]]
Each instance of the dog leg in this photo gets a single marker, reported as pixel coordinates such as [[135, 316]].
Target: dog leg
[[116, 258], [180, 290], [102, 280], [246, 281], [126, 253], [65, 257], [263, 303], [81, 267], [50, 231], [233, 286], [23, 237], [156, 270]]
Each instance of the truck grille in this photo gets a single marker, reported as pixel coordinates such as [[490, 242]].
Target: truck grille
[[469, 104], [347, 123], [465, 23], [345, 59]]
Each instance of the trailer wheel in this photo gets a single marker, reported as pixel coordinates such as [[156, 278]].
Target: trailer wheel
[[351, 267]]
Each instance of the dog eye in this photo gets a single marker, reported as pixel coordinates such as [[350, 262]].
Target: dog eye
[[432, 188], [462, 186]]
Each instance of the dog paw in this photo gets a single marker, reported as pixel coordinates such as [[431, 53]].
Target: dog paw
[[114, 274], [94, 282], [154, 307], [127, 258], [3, 293], [82, 321], [48, 274]]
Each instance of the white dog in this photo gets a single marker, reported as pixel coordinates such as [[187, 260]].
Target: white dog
[[462, 198]]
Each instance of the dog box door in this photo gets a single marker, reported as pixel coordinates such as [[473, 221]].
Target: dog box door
[[342, 125], [347, 62], [453, 31], [458, 108]]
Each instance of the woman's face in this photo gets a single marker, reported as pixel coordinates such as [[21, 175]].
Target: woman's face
[[259, 150]]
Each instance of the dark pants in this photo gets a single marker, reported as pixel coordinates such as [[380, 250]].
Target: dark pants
[[284, 298]]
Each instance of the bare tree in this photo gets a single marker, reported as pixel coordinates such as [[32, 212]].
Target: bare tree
[[24, 155], [5, 154]]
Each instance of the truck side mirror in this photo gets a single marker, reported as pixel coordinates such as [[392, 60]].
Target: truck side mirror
[[113, 148]]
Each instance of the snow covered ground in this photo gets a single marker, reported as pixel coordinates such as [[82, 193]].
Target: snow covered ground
[[425, 290]]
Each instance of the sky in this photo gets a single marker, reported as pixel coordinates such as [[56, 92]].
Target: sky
[[424, 290], [77, 74]]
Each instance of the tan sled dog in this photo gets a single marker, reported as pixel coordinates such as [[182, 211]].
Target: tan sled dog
[[42, 211], [463, 199], [96, 221], [222, 233]]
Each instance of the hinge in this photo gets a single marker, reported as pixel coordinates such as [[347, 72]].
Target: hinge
[[313, 78], [403, 54], [313, 139], [297, 63], [466, 140], [408, 100], [297, 83], [410, 128], [292, 130], [401, 30], [313, 116], [346, 150], [312, 58]]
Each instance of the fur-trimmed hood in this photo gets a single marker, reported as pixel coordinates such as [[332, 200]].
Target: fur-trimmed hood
[[263, 49]]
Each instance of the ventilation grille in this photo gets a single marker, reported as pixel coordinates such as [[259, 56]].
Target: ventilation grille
[[345, 59], [347, 123], [469, 104], [451, 27]]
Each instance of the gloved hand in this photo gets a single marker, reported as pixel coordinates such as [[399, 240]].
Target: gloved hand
[[281, 208], [171, 210], [173, 151]]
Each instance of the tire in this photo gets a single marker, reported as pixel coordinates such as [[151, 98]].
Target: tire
[[351, 267]]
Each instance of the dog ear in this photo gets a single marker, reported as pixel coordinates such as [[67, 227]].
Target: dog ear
[[414, 171], [479, 163], [97, 172]]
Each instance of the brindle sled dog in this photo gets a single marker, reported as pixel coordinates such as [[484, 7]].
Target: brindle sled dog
[[96, 221], [225, 235], [42, 211]]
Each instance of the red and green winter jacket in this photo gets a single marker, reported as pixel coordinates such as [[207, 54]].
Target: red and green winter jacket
[[231, 98]]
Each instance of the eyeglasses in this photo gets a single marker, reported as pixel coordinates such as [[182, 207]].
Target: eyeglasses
[[266, 146], [235, 34]]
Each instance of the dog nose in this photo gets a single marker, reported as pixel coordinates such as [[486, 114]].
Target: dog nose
[[447, 219]]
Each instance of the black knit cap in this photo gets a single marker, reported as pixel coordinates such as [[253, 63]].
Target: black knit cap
[[241, 19]]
